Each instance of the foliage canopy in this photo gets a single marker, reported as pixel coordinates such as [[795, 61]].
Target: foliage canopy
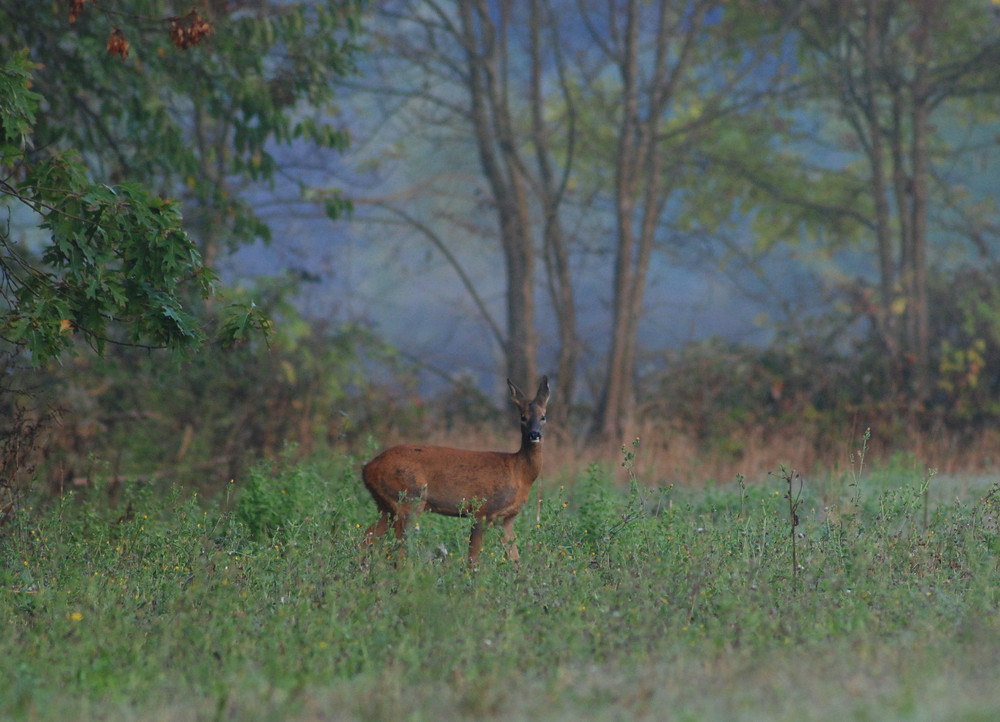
[[110, 108]]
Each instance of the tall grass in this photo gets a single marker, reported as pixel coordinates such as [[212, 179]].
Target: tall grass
[[657, 603]]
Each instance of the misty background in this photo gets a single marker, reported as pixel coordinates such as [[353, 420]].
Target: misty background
[[743, 230]]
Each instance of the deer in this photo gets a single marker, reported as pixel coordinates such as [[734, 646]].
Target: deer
[[490, 486]]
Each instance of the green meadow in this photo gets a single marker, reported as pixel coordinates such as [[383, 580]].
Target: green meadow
[[869, 596]]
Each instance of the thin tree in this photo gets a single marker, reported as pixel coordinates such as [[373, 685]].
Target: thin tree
[[681, 68], [890, 69], [485, 71]]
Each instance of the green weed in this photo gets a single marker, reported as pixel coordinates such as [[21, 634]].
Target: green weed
[[628, 602]]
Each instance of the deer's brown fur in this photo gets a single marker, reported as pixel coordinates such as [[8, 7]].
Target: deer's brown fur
[[490, 486]]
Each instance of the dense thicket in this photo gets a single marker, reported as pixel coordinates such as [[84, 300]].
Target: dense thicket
[[129, 132]]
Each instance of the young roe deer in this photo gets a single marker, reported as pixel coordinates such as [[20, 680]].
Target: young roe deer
[[490, 486]]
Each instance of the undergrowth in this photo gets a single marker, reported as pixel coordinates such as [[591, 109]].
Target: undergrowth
[[737, 601]]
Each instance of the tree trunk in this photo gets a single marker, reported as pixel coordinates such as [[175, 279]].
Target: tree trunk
[[502, 168], [551, 190], [869, 130], [639, 194], [888, 101], [615, 398], [519, 255], [918, 320]]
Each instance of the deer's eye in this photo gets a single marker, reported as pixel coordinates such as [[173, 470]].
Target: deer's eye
[[542, 417]]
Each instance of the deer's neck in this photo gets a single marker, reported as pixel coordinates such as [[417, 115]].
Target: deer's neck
[[530, 455]]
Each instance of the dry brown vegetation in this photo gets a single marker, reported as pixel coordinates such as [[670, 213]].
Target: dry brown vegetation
[[676, 457]]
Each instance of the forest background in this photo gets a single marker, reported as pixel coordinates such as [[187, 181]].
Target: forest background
[[744, 231]]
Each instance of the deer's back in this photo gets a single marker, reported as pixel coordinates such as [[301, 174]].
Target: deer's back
[[451, 481]]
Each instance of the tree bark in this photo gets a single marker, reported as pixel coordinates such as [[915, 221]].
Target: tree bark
[[551, 192], [640, 195], [888, 98], [869, 131], [501, 166], [918, 316]]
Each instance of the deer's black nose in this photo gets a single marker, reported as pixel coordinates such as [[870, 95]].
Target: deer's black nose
[[534, 436]]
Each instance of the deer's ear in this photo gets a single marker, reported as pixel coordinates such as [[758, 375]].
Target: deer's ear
[[542, 397], [515, 393]]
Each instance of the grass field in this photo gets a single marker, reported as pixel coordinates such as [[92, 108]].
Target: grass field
[[630, 603]]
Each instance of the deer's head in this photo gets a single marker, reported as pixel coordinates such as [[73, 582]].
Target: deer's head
[[532, 410]]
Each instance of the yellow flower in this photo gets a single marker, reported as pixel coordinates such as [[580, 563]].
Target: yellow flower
[[76, 616]]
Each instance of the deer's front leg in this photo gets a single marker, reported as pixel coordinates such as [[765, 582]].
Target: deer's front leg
[[377, 529], [508, 540], [476, 540]]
